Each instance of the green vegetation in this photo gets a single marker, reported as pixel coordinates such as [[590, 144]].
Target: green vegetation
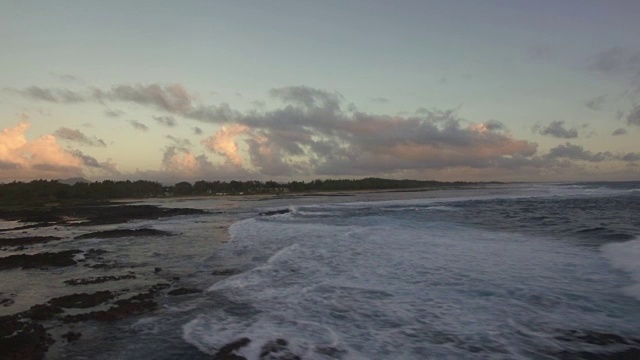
[[40, 192]]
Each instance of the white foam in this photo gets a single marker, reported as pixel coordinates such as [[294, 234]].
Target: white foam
[[389, 290], [626, 257]]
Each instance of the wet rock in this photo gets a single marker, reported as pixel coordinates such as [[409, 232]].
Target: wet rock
[[228, 352], [94, 254], [82, 300], [6, 302], [119, 233], [275, 212], [27, 240], [183, 291], [41, 260], [123, 308], [157, 270], [98, 280], [22, 340], [71, 336], [42, 312], [277, 350]]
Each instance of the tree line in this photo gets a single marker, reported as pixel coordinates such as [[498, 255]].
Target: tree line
[[39, 191]]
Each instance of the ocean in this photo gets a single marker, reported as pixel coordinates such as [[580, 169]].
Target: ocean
[[521, 271], [502, 274]]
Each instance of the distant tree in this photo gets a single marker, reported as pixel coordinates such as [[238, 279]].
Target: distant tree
[[182, 188]]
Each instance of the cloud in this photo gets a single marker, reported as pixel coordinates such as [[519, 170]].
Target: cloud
[[107, 167], [77, 136], [633, 118], [183, 143], [576, 152], [196, 130], [308, 97], [114, 113], [556, 129], [50, 95], [138, 125], [171, 98], [43, 157], [380, 100], [596, 103], [180, 164], [224, 143], [632, 157], [616, 60], [169, 121], [314, 134], [618, 132]]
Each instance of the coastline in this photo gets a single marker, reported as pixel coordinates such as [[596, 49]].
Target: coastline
[[111, 264]]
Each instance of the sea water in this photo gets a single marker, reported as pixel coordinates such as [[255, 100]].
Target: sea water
[[495, 275]]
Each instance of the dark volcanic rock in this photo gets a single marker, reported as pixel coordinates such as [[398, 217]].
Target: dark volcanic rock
[[83, 300], [28, 240], [95, 214], [22, 340], [71, 336], [183, 291], [277, 350], [41, 260], [123, 308], [275, 212], [228, 352], [109, 234], [6, 302], [98, 280], [42, 312]]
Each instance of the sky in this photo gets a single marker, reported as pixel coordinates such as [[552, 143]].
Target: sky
[[493, 90]]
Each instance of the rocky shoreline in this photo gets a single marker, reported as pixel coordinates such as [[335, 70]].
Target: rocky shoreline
[[29, 334]]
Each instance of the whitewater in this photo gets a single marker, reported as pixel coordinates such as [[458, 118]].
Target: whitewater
[[532, 272]]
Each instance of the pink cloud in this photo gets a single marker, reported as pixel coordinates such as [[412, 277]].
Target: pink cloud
[[21, 159]]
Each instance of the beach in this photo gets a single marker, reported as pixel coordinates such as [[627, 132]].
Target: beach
[[325, 275]]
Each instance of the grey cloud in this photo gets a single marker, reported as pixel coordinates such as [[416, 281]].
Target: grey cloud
[[77, 136], [617, 60], [380, 100], [50, 95], [91, 162], [618, 132], [493, 125], [183, 143], [169, 121], [55, 168], [630, 157], [577, 152], [114, 113], [556, 129], [336, 142], [633, 118], [138, 125], [213, 114], [308, 97], [596, 103], [171, 98], [6, 165]]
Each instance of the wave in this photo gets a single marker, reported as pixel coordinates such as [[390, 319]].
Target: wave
[[625, 256]]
